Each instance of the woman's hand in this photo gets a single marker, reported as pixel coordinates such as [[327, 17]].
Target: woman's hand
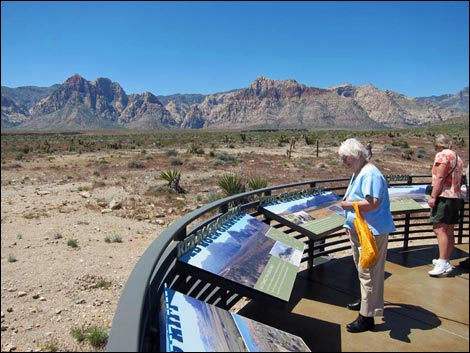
[[432, 202]]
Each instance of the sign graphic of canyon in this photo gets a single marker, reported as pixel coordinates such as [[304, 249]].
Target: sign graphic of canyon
[[251, 253], [190, 325]]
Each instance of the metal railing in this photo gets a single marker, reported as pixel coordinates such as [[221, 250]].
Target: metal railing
[[135, 325]]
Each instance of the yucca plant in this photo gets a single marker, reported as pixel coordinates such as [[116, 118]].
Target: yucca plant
[[255, 183], [172, 176], [231, 184]]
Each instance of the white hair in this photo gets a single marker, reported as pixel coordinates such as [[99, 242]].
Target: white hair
[[442, 141], [352, 148]]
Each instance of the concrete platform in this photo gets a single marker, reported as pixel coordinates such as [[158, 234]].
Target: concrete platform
[[422, 313]]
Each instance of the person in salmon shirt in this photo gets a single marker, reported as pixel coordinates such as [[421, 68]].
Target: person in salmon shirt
[[445, 201]]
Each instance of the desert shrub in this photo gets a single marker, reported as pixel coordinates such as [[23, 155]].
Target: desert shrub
[[97, 184], [421, 153], [26, 149], [171, 153], [213, 196], [15, 166], [231, 184], [175, 161], [103, 283], [407, 154], [135, 163], [50, 346], [390, 148], [72, 243], [79, 334], [217, 162], [459, 141], [116, 239], [310, 139], [194, 149], [96, 337], [283, 139], [225, 157], [400, 143], [255, 183]]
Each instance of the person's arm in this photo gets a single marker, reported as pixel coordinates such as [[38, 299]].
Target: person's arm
[[369, 204], [438, 183]]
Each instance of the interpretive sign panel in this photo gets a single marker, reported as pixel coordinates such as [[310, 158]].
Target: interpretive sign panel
[[190, 325], [407, 198], [318, 214], [250, 252]]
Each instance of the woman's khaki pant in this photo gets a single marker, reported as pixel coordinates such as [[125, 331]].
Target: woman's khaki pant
[[372, 280]]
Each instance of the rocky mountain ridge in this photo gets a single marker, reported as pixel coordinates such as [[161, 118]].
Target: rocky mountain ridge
[[79, 104]]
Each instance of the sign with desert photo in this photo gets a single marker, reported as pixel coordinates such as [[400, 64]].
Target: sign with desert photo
[[405, 198], [190, 325], [252, 253], [319, 214]]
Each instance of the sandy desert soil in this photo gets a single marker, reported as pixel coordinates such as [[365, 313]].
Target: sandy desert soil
[[113, 213]]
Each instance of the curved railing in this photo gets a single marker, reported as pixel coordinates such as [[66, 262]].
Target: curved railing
[[135, 325]]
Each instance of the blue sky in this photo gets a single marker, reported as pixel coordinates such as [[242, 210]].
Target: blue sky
[[167, 47]]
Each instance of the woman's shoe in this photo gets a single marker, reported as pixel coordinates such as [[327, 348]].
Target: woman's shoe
[[361, 324], [356, 306], [441, 269]]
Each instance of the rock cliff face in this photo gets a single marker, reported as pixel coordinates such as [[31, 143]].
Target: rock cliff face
[[16, 114], [392, 109], [78, 104], [146, 112], [456, 102], [102, 104], [278, 104], [105, 98]]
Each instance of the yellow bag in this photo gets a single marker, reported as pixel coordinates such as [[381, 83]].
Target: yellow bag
[[369, 252]]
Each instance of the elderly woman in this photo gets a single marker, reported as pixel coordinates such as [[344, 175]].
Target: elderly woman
[[445, 201], [369, 188]]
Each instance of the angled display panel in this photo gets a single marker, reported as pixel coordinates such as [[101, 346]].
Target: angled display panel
[[190, 325], [408, 198], [250, 252], [315, 215]]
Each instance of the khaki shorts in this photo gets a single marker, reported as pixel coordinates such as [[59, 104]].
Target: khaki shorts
[[446, 211]]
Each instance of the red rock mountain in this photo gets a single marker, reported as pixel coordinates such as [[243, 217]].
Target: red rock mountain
[[78, 104]]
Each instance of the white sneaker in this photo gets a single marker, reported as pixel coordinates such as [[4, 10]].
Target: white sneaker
[[440, 269], [435, 261]]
